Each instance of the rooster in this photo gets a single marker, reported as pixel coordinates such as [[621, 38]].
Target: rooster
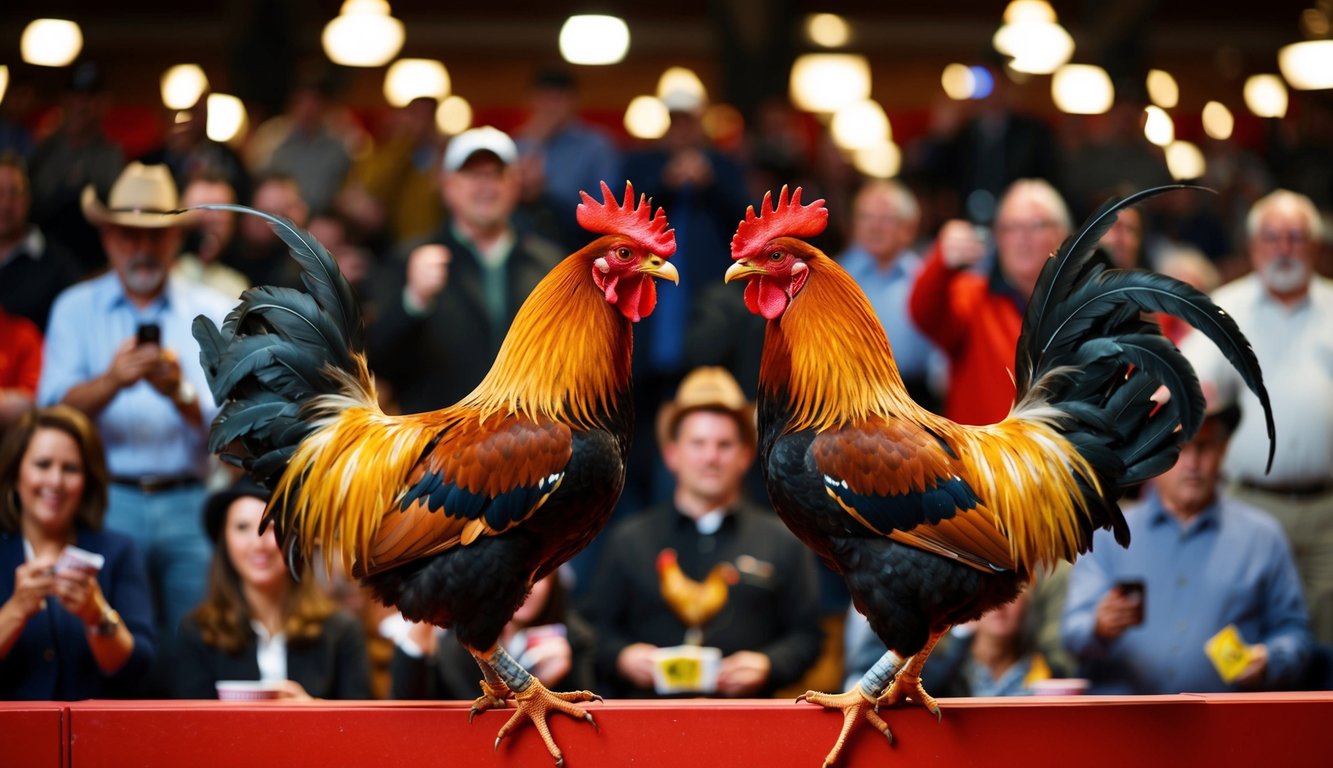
[[694, 602], [450, 515], [929, 522]]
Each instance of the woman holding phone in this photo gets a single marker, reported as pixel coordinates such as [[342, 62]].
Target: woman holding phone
[[76, 618]]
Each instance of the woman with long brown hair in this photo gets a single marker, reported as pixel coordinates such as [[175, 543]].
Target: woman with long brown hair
[[256, 623], [76, 619]]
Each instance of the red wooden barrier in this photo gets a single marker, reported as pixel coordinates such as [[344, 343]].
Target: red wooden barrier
[[1212, 730]]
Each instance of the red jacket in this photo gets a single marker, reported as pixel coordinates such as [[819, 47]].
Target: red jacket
[[20, 353], [975, 319]]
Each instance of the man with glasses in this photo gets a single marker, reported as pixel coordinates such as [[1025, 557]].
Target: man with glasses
[[1286, 311], [439, 332], [974, 311]]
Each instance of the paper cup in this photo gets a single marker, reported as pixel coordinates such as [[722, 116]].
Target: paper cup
[[1060, 686], [247, 690], [686, 669]]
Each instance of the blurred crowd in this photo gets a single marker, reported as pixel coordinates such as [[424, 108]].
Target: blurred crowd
[[130, 563]]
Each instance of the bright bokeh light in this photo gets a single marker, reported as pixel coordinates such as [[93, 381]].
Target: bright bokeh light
[[1266, 96], [723, 123], [363, 35], [409, 79], [828, 30], [958, 82], [1159, 127], [1082, 89], [1020, 11], [1218, 121], [860, 125], [51, 42], [1037, 47], [453, 116], [646, 117], [226, 117], [593, 39], [1185, 161], [4, 81], [1307, 66], [827, 82], [1162, 89], [182, 85], [881, 161], [681, 80]]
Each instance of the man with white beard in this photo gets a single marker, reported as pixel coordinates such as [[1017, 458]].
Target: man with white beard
[[1286, 311], [119, 348]]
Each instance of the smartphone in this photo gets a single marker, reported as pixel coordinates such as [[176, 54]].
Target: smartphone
[[148, 333], [1133, 588]]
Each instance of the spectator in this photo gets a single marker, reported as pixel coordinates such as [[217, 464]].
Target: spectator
[[393, 191], [33, 269], [883, 264], [560, 154], [187, 151], [473, 275], [1188, 265], [310, 152], [974, 316], [766, 626], [257, 623], [78, 153], [547, 637], [212, 239], [1286, 311], [20, 366], [260, 255], [1205, 562], [66, 632], [148, 395], [1123, 242]]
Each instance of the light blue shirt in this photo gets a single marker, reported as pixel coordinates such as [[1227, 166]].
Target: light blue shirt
[[1230, 565], [144, 433], [889, 291]]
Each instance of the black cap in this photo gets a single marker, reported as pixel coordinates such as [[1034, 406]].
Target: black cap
[[215, 507], [1227, 416]]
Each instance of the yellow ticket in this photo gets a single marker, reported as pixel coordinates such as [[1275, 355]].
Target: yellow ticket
[[1228, 652]]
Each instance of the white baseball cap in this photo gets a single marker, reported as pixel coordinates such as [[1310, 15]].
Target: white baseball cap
[[487, 139]]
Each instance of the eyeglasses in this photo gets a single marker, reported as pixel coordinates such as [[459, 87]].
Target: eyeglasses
[[1295, 237]]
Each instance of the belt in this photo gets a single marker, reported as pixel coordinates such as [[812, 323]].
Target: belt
[[1298, 490], [157, 483]]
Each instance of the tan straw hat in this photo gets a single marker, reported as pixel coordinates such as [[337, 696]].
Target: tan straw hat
[[707, 389], [143, 197]]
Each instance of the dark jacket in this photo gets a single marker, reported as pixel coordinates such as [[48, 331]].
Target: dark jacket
[[333, 666], [433, 361], [51, 658], [773, 610]]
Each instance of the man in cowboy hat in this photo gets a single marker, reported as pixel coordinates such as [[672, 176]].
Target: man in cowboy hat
[[767, 629], [119, 348]]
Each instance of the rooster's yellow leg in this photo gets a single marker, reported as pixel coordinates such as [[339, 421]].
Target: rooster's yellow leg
[[858, 703], [532, 701], [908, 681]]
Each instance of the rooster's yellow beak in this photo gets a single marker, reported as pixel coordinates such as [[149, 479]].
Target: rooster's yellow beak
[[659, 267], [741, 269]]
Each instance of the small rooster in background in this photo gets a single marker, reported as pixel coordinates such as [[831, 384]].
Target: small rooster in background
[[931, 523], [694, 602], [450, 515]]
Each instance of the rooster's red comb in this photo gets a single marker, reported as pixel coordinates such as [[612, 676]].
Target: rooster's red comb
[[786, 219], [611, 218]]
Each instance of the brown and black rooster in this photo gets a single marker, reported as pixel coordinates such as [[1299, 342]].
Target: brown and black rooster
[[931, 523], [450, 515]]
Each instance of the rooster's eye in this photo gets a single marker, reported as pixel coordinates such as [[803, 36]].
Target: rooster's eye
[[623, 254], [776, 256]]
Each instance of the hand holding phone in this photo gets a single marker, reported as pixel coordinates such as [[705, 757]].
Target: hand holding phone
[[148, 333], [1132, 590]]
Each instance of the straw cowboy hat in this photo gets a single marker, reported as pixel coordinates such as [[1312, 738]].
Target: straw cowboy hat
[[707, 389], [143, 196]]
